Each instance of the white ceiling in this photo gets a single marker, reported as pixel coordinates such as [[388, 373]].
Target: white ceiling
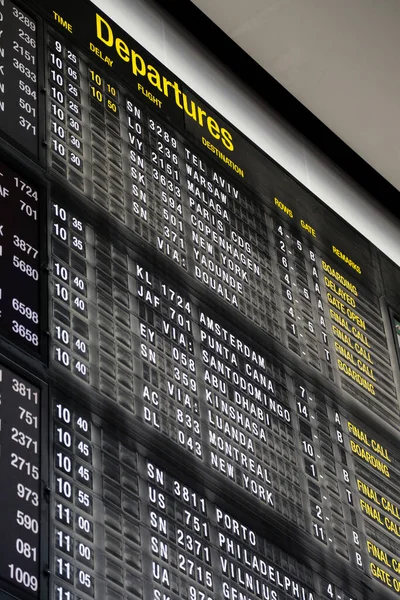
[[340, 58]]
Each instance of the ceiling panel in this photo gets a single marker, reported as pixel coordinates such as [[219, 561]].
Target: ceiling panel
[[339, 59]]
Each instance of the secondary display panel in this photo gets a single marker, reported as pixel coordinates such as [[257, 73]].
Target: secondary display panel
[[20, 260], [219, 348], [20, 404]]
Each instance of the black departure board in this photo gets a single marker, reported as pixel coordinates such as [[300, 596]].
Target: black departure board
[[251, 255], [199, 370]]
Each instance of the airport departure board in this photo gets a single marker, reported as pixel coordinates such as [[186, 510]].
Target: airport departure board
[[199, 360]]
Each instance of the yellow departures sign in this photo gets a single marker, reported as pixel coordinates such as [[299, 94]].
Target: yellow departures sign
[[139, 67]]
